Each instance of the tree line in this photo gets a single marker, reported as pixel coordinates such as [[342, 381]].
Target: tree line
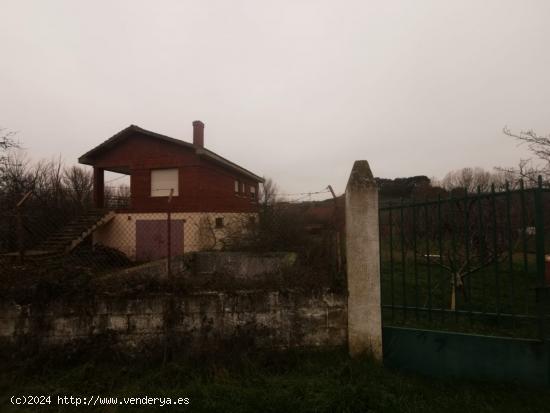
[[61, 191]]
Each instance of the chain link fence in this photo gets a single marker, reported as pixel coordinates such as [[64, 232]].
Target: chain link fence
[[57, 232]]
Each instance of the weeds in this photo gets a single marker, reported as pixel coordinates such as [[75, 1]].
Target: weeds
[[296, 381]]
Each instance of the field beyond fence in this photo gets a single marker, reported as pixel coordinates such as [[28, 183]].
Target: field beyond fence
[[471, 263]]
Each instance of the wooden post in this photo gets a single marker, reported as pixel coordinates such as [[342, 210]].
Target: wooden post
[[169, 318], [336, 224], [20, 229], [363, 263], [169, 235], [20, 240]]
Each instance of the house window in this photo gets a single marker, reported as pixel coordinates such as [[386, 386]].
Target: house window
[[163, 180], [242, 188], [219, 222], [252, 192], [236, 187]]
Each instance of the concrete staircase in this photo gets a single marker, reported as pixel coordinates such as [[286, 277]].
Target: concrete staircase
[[68, 237]]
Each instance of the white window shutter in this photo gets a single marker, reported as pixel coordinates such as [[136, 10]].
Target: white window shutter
[[162, 180]]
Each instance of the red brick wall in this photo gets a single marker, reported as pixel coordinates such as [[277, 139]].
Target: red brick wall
[[204, 186]]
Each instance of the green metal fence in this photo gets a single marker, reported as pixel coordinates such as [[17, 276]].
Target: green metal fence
[[468, 262]]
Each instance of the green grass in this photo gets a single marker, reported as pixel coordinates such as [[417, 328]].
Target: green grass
[[504, 290], [280, 382]]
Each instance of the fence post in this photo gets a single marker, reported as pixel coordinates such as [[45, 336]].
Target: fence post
[[169, 236], [169, 311], [363, 263], [20, 236], [20, 229], [541, 288]]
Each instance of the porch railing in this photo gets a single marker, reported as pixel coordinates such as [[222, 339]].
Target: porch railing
[[117, 202]]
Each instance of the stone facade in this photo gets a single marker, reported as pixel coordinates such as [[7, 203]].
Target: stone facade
[[266, 319]]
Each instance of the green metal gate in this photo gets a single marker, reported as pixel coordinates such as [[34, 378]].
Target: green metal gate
[[471, 263]]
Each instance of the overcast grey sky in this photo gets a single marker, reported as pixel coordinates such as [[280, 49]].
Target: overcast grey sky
[[291, 89]]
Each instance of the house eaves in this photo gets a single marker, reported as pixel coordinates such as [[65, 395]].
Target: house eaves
[[88, 157]]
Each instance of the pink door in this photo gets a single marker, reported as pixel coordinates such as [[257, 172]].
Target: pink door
[[151, 239]]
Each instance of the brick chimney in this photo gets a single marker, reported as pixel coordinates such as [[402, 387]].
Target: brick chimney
[[198, 133]]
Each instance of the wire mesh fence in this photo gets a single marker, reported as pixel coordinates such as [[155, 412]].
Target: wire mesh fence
[[54, 232], [474, 262]]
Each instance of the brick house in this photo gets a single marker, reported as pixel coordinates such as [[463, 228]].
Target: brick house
[[209, 192]]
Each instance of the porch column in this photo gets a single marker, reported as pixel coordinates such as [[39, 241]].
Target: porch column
[[363, 263], [99, 187]]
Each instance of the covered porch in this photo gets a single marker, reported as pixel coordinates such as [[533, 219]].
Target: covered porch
[[116, 196]]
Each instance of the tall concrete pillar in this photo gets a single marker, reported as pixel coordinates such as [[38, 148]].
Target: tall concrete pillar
[[363, 263]]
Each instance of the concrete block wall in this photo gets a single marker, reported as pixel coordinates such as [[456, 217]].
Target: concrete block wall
[[266, 319]]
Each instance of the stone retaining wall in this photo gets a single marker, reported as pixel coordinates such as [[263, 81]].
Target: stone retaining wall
[[267, 319]]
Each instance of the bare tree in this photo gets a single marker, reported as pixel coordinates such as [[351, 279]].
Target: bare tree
[[79, 182], [470, 179], [7, 143], [268, 192], [116, 196], [540, 147], [7, 140], [16, 177], [208, 239], [467, 247]]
